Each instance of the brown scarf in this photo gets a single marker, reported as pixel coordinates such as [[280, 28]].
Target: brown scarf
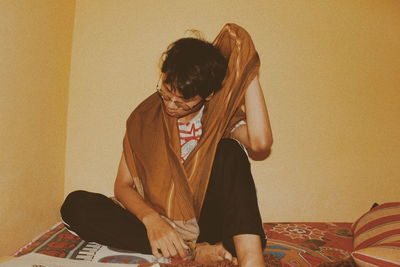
[[151, 145]]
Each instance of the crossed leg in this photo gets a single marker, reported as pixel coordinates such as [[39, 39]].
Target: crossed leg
[[230, 215], [230, 219]]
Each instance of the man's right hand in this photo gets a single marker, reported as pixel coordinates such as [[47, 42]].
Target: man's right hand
[[164, 240]]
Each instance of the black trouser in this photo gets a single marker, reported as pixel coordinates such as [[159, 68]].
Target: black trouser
[[230, 208]]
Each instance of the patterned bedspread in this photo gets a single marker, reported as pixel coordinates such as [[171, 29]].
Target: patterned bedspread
[[295, 244], [308, 244]]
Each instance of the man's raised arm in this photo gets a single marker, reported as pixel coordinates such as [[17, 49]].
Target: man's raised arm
[[256, 134]]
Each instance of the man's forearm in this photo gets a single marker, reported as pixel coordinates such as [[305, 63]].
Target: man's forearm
[[258, 125], [163, 239], [133, 202], [256, 134]]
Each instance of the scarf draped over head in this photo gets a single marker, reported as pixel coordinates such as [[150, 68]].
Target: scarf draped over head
[[174, 189]]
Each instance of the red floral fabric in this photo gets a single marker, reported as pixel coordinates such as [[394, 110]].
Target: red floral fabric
[[308, 244], [295, 244]]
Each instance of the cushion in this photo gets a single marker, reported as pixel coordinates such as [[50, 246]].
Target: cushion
[[377, 236]]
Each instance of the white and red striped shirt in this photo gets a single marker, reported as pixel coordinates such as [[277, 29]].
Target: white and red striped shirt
[[190, 134]]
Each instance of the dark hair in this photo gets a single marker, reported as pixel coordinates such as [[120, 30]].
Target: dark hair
[[194, 67]]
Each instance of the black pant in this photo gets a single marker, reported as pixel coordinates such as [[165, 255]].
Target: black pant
[[230, 208]]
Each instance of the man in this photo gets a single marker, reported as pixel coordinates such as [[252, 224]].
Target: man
[[182, 178]]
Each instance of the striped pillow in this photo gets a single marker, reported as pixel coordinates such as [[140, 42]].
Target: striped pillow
[[377, 236]]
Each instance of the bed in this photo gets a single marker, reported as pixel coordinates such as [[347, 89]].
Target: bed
[[289, 244], [373, 240]]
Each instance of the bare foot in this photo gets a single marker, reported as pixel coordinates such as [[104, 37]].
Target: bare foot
[[206, 253]]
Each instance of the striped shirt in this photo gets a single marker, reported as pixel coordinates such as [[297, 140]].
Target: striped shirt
[[190, 133]]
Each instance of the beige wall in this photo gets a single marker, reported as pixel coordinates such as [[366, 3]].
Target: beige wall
[[330, 73], [35, 47]]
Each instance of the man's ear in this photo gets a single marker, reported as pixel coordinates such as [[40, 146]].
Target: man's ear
[[209, 97]]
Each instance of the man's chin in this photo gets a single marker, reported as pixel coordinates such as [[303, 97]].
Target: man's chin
[[174, 115]]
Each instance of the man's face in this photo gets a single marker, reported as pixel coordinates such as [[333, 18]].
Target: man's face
[[175, 105]]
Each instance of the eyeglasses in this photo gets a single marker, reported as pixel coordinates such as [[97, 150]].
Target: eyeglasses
[[178, 104]]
